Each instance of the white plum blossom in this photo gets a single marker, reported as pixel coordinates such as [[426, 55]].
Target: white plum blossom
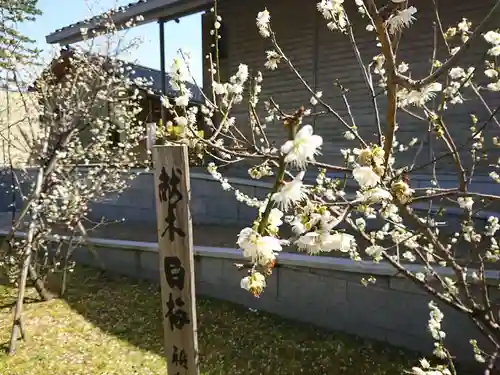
[[273, 59], [492, 37], [323, 241], [465, 203], [242, 74], [349, 135], [494, 51], [178, 75], [403, 18], [365, 176], [219, 88], [390, 211], [464, 25], [183, 100], [403, 67], [263, 19], [456, 73], [314, 99], [260, 249], [491, 73], [402, 191], [302, 148], [375, 195], [492, 226], [290, 192], [342, 242], [375, 251], [333, 11], [274, 220], [370, 155], [312, 242], [254, 283], [419, 98], [181, 121], [360, 224], [435, 320]]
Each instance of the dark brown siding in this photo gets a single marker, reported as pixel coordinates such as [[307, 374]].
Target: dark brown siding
[[323, 57]]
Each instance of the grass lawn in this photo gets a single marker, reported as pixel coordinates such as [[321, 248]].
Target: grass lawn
[[111, 325]]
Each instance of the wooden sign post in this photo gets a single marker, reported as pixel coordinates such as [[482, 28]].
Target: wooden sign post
[[175, 242]]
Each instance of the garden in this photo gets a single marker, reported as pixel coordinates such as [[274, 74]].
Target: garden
[[111, 325]]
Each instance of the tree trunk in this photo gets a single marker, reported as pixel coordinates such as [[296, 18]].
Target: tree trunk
[[90, 247], [63, 282], [39, 284], [64, 279], [17, 325]]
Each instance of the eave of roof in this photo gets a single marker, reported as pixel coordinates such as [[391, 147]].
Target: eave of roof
[[149, 10]]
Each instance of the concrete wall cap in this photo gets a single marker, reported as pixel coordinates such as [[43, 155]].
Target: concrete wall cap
[[285, 259]]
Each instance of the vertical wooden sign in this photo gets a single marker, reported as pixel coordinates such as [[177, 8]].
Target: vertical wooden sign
[[175, 243]]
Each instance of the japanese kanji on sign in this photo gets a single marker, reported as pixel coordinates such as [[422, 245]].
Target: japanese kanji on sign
[[175, 243]]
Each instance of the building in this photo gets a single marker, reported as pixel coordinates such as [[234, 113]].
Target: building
[[326, 59], [150, 95]]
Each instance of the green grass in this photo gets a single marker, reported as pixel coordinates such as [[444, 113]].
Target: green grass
[[111, 325]]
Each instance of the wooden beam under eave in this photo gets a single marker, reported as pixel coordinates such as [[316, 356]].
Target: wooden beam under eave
[[151, 11]]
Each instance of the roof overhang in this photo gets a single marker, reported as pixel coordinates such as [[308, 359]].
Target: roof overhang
[[150, 10]]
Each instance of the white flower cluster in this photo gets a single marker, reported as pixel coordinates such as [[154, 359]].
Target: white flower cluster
[[233, 89], [403, 18], [240, 197], [263, 20], [420, 97], [425, 368], [333, 11], [81, 161], [273, 59], [492, 68], [377, 209], [178, 76], [465, 203], [493, 38], [435, 319], [322, 239]]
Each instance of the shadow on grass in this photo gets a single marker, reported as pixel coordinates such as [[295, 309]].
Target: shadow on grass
[[11, 305], [232, 339]]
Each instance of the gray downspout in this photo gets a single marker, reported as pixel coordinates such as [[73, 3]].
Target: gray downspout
[[162, 70]]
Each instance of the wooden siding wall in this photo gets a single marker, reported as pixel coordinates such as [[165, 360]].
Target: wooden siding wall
[[323, 56]]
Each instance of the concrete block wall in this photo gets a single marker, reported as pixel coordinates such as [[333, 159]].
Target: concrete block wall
[[212, 205], [209, 203], [326, 292]]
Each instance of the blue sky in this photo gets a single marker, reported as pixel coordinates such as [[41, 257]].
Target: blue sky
[[185, 35]]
